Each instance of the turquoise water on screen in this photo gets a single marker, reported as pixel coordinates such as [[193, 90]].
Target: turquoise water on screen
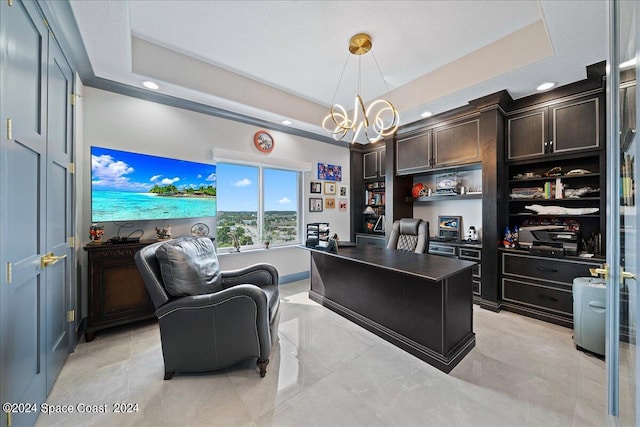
[[127, 206]]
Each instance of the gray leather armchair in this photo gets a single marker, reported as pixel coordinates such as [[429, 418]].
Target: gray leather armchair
[[209, 319], [410, 234]]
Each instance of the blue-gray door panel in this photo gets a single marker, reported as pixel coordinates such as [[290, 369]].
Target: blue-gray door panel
[[23, 208], [58, 222]]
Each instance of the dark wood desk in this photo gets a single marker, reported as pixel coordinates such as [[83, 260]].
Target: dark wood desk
[[420, 303]]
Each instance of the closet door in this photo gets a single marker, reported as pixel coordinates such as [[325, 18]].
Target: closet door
[[35, 209], [23, 207], [59, 212]]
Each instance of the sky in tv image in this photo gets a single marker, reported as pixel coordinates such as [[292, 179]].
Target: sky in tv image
[[130, 186]]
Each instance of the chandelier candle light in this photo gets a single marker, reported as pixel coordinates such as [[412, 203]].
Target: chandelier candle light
[[378, 120]]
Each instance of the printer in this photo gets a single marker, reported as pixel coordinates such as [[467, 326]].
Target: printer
[[550, 240]]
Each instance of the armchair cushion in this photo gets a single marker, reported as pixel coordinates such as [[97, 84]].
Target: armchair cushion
[[189, 267]]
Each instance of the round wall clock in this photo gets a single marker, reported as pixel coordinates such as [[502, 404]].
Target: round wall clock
[[200, 230], [263, 141]]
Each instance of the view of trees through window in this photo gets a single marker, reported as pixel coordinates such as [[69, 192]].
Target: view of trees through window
[[247, 219]]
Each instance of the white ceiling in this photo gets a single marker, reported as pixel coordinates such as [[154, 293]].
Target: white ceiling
[[283, 59]]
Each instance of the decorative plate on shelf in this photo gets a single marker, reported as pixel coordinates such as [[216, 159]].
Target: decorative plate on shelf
[[200, 230]]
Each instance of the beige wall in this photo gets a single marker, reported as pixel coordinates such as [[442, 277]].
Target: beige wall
[[131, 124]]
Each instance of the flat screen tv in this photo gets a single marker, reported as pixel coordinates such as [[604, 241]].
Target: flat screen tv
[[129, 186]]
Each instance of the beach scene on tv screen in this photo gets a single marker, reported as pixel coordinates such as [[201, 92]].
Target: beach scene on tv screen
[[130, 186]]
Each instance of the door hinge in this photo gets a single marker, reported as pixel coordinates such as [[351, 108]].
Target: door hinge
[[9, 272], [9, 130], [10, 2], [73, 98], [71, 316], [9, 421], [72, 168], [72, 242]]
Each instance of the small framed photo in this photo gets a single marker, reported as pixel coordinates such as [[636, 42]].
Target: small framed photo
[[316, 187], [315, 204], [330, 203], [329, 188], [343, 190], [342, 205]]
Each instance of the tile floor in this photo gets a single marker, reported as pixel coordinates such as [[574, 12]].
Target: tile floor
[[327, 371]]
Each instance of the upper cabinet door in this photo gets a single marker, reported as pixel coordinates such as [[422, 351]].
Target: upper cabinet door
[[413, 153], [457, 144], [527, 134], [370, 161], [381, 161], [576, 125], [560, 128]]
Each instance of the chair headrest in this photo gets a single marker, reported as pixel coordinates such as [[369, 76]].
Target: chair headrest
[[410, 226]]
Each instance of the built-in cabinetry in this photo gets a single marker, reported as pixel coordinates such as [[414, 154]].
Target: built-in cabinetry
[[469, 251], [469, 142], [555, 167], [541, 287], [374, 163], [117, 294], [371, 239], [564, 190], [375, 186], [558, 128], [445, 145]]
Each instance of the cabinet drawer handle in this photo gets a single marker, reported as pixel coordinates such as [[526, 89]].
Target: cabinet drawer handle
[[547, 297], [551, 270]]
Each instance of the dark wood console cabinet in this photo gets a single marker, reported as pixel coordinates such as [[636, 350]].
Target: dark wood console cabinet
[[117, 294]]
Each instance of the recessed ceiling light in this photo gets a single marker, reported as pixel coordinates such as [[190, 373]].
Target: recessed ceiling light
[[426, 114], [287, 122], [150, 85], [545, 86]]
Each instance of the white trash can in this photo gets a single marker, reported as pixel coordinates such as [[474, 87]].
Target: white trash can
[[589, 314]]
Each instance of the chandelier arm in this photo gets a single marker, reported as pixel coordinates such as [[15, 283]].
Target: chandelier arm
[[340, 80], [380, 71]]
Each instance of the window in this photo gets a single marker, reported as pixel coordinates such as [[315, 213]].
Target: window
[[257, 204]]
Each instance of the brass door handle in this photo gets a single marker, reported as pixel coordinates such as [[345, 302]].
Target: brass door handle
[[603, 270], [626, 275], [49, 259]]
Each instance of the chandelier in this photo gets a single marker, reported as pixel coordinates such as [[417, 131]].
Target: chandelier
[[378, 120]]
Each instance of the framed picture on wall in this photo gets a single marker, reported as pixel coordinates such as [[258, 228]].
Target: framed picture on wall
[[343, 190], [315, 204], [330, 203], [316, 187], [329, 188], [329, 172], [342, 204]]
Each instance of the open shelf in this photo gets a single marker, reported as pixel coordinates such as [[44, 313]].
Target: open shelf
[[440, 198], [547, 178]]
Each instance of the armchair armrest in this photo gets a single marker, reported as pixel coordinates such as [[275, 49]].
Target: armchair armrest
[[209, 301], [261, 275]]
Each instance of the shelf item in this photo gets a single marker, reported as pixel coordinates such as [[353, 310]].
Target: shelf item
[[317, 232]]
